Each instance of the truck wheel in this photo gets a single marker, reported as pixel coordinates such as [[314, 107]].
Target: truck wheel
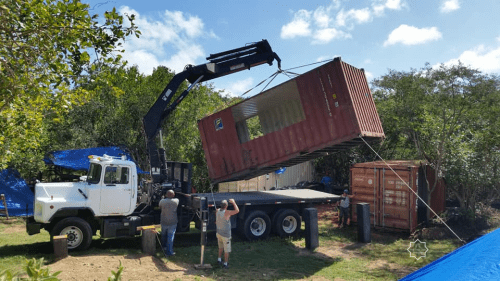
[[78, 231], [257, 225], [287, 223]]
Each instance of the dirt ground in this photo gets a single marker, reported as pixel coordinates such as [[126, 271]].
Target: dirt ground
[[137, 267], [142, 267]]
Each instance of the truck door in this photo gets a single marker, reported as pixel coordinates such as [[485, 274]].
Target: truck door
[[116, 191]]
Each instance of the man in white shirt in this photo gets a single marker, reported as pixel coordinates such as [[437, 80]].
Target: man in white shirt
[[344, 208], [223, 223]]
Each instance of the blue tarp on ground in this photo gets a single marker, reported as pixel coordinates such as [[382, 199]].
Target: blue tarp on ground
[[77, 159], [478, 260], [17, 193]]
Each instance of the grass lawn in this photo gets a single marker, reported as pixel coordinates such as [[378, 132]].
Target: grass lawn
[[339, 256]]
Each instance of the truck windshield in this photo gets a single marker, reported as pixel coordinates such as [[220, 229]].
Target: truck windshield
[[94, 175]]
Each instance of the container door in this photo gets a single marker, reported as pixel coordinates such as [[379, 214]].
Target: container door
[[364, 183], [394, 199]]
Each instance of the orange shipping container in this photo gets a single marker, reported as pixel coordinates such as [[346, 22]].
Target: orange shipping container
[[392, 203], [324, 110]]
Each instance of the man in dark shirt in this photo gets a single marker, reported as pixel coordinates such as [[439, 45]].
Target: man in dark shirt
[[168, 222]]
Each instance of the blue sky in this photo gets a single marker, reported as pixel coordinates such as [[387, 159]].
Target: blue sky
[[376, 35]]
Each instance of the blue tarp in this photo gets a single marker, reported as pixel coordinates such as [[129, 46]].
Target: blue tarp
[[77, 159], [17, 193], [478, 260]]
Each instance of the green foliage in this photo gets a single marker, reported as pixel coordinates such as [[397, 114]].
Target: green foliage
[[114, 117], [254, 127], [45, 49], [34, 271], [117, 276], [449, 117]]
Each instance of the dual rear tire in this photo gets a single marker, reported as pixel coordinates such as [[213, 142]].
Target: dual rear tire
[[257, 224], [286, 223]]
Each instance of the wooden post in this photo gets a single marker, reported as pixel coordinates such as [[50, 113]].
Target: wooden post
[[148, 240], [60, 246], [2, 198]]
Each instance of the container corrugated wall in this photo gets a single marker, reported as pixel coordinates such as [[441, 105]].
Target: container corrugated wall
[[291, 177], [323, 110], [392, 204]]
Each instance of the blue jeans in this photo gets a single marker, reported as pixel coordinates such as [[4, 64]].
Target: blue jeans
[[167, 238]]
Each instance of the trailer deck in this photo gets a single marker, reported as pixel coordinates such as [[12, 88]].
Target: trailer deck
[[289, 196]]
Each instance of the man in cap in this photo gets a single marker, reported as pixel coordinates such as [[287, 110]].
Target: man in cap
[[344, 208]]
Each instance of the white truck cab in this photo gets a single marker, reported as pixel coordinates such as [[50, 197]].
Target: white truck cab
[[109, 189]]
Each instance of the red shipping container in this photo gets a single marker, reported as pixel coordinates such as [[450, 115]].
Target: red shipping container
[[392, 204], [324, 110]]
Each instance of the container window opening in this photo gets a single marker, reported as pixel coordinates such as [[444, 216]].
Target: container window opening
[[269, 113]]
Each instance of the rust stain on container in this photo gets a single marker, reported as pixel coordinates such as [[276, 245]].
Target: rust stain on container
[[392, 204], [323, 110]]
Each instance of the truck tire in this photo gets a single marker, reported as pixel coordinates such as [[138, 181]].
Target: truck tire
[[78, 231], [287, 223], [257, 225]]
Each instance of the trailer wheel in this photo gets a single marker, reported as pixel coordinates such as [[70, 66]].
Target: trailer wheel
[[78, 231], [257, 225], [287, 223]]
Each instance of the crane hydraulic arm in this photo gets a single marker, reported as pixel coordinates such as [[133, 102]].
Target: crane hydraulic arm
[[219, 64]]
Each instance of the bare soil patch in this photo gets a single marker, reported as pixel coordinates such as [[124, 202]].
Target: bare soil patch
[[136, 267], [14, 228]]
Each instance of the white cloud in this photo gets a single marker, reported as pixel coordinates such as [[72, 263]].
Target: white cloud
[[237, 88], [480, 57], [449, 6], [143, 59], [358, 16], [321, 17], [380, 6], [394, 4], [300, 26], [186, 55], [324, 58], [193, 26], [323, 36], [410, 35], [170, 41], [331, 22], [369, 76]]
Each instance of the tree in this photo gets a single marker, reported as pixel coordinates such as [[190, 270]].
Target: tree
[[46, 47], [114, 117], [442, 115]]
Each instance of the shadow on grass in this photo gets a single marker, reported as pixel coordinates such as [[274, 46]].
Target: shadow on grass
[[267, 259], [255, 260], [34, 250]]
